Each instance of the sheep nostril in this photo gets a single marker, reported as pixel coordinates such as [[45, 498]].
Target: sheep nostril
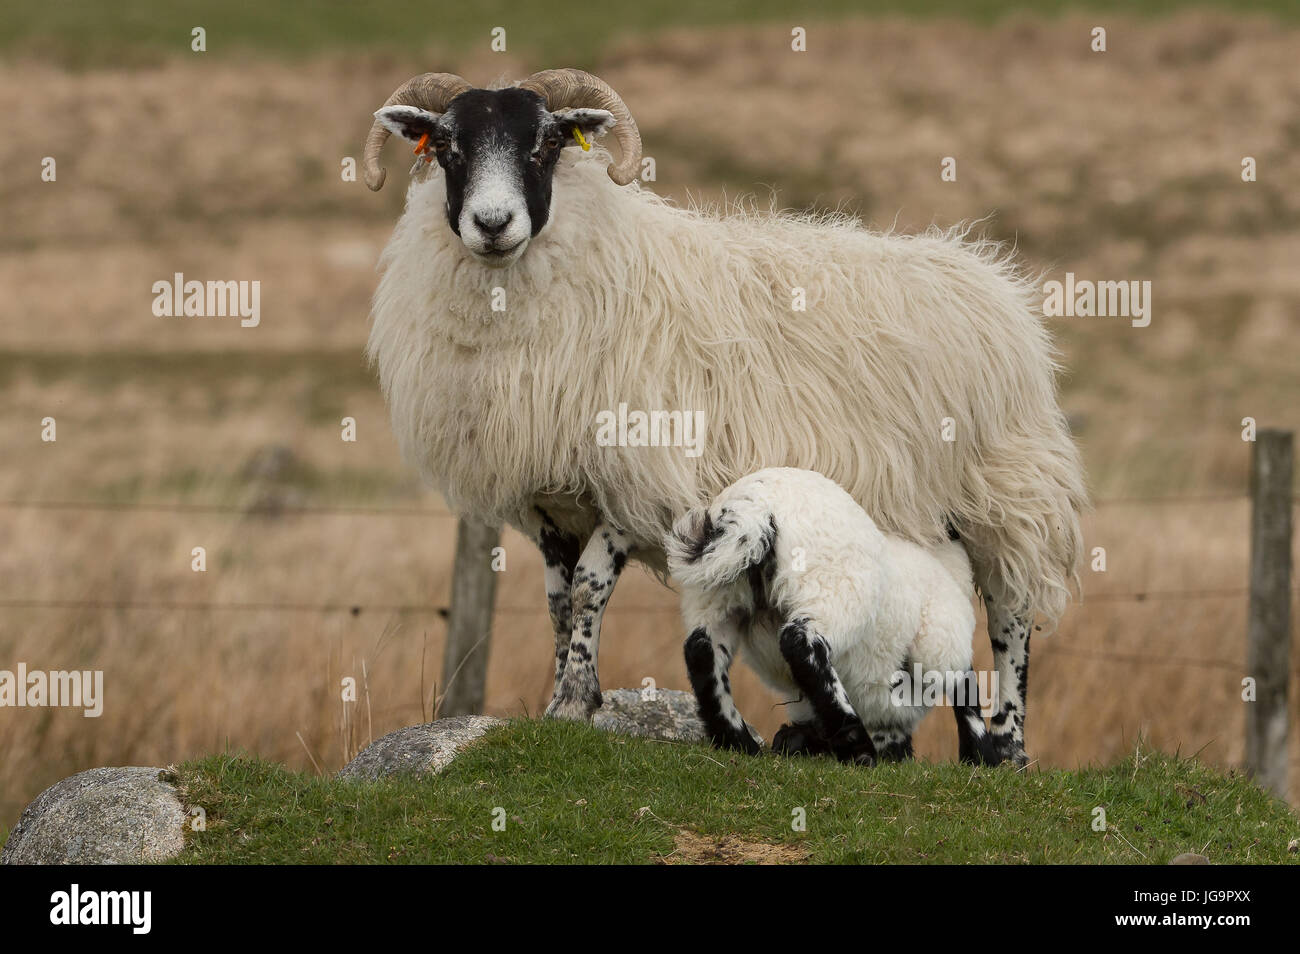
[[494, 226]]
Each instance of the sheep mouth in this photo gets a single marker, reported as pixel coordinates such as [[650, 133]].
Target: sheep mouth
[[500, 256]]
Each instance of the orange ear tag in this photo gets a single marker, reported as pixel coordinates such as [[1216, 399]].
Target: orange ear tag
[[419, 146]]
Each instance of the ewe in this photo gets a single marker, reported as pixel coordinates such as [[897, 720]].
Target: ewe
[[525, 297], [829, 611]]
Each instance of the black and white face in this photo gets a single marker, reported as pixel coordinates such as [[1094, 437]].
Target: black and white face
[[498, 150]]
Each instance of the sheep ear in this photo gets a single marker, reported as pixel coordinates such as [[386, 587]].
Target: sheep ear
[[409, 122], [592, 123]]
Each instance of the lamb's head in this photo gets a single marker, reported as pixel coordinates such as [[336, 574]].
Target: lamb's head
[[498, 148]]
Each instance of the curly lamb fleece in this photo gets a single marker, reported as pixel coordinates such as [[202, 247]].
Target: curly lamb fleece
[[630, 299], [785, 548]]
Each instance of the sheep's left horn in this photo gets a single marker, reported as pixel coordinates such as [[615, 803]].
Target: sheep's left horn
[[576, 88], [431, 91]]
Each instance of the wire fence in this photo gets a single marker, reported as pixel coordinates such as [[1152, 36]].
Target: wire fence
[[442, 611], [443, 513]]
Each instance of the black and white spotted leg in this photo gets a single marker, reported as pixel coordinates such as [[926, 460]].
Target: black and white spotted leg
[[560, 551], [892, 744], [809, 658], [974, 743], [709, 652], [577, 691], [1009, 635]]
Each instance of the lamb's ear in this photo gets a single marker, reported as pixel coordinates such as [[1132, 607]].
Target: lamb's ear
[[592, 123], [409, 122]]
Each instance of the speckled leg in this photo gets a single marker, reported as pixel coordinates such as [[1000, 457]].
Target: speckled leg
[[560, 551], [1009, 635], [577, 692]]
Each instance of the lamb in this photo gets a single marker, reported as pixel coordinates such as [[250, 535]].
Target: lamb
[[830, 612], [524, 296]]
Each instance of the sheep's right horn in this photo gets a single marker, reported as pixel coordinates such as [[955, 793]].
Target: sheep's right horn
[[431, 91], [578, 88]]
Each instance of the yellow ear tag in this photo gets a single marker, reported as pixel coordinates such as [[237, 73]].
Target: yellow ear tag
[[577, 134]]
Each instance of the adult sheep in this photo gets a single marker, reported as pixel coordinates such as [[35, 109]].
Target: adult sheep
[[524, 298]]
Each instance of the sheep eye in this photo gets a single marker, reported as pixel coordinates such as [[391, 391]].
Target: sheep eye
[[548, 149]]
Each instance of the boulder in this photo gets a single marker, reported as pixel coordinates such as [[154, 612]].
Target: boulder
[[418, 749], [102, 816], [656, 713]]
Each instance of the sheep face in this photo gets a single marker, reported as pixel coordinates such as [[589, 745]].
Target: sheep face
[[498, 150]]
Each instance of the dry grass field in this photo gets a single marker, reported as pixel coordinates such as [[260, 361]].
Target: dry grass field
[[177, 433]]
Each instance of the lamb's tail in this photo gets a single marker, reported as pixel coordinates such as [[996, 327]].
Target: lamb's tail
[[714, 547]]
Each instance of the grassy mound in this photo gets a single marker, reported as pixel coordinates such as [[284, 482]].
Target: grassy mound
[[547, 792]]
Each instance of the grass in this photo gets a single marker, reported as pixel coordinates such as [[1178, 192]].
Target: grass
[[86, 34], [573, 794]]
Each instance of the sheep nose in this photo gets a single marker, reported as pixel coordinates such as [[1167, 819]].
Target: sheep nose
[[493, 225]]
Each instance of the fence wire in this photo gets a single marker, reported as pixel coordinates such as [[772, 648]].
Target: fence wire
[[360, 609]]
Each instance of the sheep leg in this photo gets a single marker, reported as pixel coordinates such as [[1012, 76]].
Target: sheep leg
[[808, 655], [892, 744], [708, 660], [799, 738], [577, 691], [560, 552], [1009, 635], [974, 744]]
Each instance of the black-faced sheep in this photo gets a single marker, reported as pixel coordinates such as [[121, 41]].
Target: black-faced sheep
[[525, 297]]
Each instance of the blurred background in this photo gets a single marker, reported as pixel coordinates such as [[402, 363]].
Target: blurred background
[[327, 559]]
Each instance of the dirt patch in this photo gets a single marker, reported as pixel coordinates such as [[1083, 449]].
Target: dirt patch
[[693, 848]]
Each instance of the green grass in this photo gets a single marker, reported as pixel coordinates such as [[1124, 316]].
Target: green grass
[[92, 33], [572, 794]]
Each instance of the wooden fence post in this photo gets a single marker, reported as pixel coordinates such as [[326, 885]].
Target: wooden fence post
[[1269, 631], [469, 623]]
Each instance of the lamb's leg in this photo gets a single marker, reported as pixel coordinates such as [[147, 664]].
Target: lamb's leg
[[577, 692], [799, 738], [974, 744], [1009, 635], [560, 552], [709, 651], [809, 658], [892, 744]]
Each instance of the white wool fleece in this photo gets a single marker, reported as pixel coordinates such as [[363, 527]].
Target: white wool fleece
[[624, 298], [881, 602]]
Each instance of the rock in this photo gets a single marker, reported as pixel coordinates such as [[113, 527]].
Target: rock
[[659, 714], [102, 816], [418, 749], [1190, 858]]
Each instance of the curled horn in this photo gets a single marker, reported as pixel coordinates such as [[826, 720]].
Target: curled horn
[[575, 89], [431, 91]]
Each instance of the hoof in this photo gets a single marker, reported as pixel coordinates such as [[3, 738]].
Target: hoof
[[742, 741], [1003, 749], [574, 708], [852, 745], [799, 738]]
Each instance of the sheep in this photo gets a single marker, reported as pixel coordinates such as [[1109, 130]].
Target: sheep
[[524, 298], [830, 612]]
